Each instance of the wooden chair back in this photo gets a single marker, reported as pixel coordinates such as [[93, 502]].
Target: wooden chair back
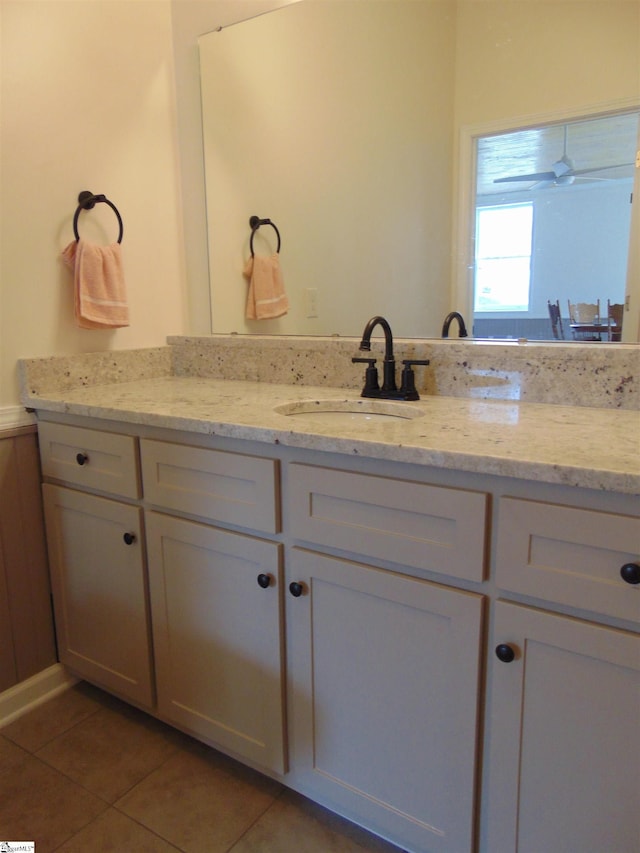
[[584, 312], [556, 319], [615, 316]]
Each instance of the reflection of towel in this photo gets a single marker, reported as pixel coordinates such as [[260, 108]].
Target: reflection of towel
[[100, 296], [266, 297]]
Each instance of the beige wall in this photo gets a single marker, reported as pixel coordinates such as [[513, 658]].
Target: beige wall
[[539, 56], [87, 103]]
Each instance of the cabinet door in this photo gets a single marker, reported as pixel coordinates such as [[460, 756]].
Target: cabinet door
[[564, 753], [218, 636], [99, 590], [384, 695]]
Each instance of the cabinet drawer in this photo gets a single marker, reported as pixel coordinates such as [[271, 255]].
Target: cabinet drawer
[[568, 555], [98, 460], [427, 527], [226, 487]]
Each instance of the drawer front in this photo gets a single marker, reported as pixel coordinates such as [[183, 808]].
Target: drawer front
[[568, 555], [426, 527], [225, 487], [97, 460]]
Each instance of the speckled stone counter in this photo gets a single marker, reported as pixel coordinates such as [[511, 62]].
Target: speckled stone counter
[[592, 448], [565, 374], [569, 374]]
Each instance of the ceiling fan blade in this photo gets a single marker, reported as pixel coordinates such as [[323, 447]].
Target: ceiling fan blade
[[536, 176], [543, 185], [602, 168]]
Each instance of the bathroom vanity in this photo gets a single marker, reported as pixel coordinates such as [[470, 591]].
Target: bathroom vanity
[[428, 624]]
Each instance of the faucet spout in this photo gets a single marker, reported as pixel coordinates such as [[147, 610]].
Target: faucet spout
[[462, 329], [389, 364], [365, 343]]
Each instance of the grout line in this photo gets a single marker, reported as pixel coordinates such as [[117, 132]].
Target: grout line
[[257, 820]]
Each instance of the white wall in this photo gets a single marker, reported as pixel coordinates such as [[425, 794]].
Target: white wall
[[87, 102]]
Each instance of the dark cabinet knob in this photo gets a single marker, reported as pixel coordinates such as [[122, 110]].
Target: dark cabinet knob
[[630, 573], [296, 589], [129, 538], [264, 581], [82, 458], [505, 652]]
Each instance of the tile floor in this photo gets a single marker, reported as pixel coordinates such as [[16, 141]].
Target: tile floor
[[86, 773]]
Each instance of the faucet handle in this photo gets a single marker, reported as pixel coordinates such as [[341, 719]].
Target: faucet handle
[[408, 385], [371, 384]]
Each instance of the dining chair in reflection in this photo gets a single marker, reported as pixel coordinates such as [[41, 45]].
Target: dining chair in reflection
[[615, 316], [585, 321], [556, 319]]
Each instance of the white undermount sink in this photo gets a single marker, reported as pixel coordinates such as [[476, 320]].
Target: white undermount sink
[[349, 411]]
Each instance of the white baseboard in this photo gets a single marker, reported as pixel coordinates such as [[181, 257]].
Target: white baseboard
[[26, 695], [15, 416]]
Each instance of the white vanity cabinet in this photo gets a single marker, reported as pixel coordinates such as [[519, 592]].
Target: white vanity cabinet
[[564, 703], [384, 667], [216, 597], [96, 558], [335, 622]]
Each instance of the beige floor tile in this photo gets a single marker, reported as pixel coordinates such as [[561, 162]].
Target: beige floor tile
[[112, 831], [58, 715], [294, 824], [200, 800], [112, 750], [39, 804]]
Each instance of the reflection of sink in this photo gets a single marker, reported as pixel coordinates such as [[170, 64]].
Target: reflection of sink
[[349, 411]]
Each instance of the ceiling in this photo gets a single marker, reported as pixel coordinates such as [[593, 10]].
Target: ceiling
[[591, 144]]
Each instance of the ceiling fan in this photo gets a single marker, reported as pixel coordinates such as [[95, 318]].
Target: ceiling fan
[[562, 172]]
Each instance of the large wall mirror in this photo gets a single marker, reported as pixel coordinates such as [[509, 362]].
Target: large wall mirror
[[354, 126]]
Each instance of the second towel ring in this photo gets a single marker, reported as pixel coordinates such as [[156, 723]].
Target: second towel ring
[[87, 200], [254, 223]]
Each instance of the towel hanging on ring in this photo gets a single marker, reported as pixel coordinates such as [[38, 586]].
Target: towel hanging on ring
[[266, 298], [100, 296]]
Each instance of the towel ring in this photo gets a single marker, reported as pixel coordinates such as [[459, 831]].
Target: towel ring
[[88, 200], [254, 223]]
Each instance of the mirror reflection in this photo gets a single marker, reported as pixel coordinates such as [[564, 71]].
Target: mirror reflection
[[353, 126], [552, 229]]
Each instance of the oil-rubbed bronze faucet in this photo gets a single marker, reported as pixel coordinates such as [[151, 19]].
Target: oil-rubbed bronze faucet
[[389, 388], [462, 329]]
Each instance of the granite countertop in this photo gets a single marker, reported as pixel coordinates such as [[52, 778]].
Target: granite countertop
[[590, 447]]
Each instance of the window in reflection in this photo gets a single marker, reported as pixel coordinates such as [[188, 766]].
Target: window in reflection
[[503, 257], [576, 178]]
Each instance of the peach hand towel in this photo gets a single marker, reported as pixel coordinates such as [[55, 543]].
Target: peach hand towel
[[267, 297], [100, 294]]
